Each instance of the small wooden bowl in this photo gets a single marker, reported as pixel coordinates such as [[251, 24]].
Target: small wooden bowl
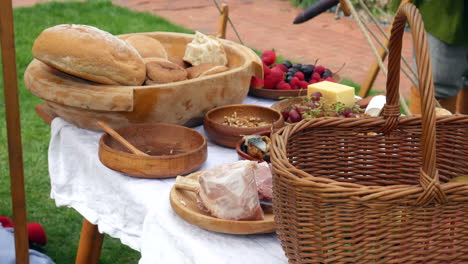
[[243, 155], [228, 136], [174, 150], [282, 94]]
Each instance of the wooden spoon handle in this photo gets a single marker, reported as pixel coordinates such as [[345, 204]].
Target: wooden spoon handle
[[120, 139], [187, 184]]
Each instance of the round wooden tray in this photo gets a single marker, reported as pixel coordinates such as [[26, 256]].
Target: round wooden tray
[[184, 203], [282, 94], [174, 150]]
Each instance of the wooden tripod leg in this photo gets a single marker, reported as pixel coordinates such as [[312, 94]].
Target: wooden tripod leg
[[89, 248], [374, 69], [223, 20], [12, 115]]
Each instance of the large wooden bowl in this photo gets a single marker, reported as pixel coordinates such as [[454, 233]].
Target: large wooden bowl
[[174, 150], [83, 103], [184, 203], [228, 136]]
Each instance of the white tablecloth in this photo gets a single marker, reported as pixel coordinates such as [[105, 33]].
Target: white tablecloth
[[137, 211]]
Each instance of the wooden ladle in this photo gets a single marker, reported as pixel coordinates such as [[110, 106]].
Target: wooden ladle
[[120, 139]]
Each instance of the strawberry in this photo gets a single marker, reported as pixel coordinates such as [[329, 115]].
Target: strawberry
[[268, 57], [282, 85], [276, 75], [256, 82], [281, 67], [266, 70], [270, 82]]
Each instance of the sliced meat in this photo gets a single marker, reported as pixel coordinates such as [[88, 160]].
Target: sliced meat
[[229, 191], [264, 181]]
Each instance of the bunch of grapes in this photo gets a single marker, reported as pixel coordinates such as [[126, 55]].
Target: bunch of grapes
[[288, 76], [313, 107]]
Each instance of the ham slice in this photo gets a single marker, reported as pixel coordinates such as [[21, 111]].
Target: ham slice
[[264, 181], [229, 191]]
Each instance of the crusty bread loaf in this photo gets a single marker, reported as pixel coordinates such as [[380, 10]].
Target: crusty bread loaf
[[205, 49], [90, 53], [147, 46], [163, 71], [205, 69]]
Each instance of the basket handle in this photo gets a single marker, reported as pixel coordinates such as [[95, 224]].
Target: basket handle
[[429, 177]]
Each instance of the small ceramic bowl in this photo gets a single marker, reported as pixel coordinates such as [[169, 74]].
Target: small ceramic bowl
[[245, 156], [228, 136], [174, 150]]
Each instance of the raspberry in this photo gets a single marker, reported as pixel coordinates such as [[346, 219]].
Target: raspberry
[[299, 75], [303, 84], [256, 82], [268, 57], [330, 79], [295, 81], [320, 69], [316, 76], [266, 70], [281, 67], [312, 81], [282, 85]]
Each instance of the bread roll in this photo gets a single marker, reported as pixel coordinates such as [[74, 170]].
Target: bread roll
[[163, 71], [205, 49], [90, 53], [205, 69], [147, 46]]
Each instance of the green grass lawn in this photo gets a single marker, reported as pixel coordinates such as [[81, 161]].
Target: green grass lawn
[[61, 224]]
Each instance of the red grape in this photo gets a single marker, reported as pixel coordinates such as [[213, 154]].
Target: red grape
[[294, 116], [315, 96], [285, 115]]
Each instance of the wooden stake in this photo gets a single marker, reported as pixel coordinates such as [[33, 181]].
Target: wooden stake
[[12, 113], [223, 18]]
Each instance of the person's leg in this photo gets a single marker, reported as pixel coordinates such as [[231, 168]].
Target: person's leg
[[449, 65]]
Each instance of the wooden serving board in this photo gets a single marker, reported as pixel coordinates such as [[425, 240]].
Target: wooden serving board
[[184, 203]]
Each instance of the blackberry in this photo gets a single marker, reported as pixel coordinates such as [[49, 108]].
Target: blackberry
[[287, 63]]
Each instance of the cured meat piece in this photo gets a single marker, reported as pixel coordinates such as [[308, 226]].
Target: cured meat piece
[[264, 181], [229, 191]]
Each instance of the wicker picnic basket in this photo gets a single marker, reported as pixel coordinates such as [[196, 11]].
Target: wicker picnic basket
[[375, 189]]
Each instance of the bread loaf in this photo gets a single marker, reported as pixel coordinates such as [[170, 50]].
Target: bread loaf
[[90, 53], [205, 49], [147, 46], [205, 69], [163, 71]]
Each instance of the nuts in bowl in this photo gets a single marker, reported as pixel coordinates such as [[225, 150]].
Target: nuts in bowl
[[226, 125]]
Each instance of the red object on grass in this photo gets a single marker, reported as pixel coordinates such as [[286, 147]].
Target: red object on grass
[[6, 222], [37, 234]]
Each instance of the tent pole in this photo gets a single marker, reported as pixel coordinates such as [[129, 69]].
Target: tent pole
[[12, 113]]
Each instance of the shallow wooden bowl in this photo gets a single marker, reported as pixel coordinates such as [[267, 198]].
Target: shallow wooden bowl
[[83, 103], [282, 94], [174, 150], [245, 156], [184, 203], [228, 136]]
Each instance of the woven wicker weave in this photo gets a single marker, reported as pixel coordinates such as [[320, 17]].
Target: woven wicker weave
[[374, 190]]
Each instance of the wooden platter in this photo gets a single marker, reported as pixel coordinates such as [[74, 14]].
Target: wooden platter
[[184, 203], [282, 94]]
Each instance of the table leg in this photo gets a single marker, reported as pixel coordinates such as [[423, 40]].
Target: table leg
[[89, 248]]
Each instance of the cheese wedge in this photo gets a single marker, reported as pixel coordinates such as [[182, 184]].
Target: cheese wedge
[[333, 92]]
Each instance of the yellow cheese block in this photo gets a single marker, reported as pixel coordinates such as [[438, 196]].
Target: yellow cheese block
[[333, 92]]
